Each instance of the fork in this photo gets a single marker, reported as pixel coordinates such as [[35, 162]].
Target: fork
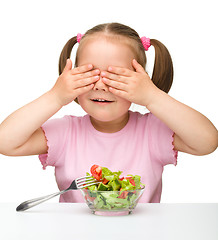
[[78, 183]]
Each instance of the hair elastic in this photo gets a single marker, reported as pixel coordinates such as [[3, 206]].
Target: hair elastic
[[79, 36], [146, 43]]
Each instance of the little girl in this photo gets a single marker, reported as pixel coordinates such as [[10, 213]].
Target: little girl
[[109, 75]]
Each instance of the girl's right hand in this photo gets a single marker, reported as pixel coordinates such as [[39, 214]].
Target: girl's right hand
[[21, 135], [74, 82]]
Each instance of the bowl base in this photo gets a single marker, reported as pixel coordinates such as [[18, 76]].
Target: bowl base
[[111, 213]]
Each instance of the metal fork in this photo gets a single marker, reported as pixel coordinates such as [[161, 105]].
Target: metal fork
[[78, 183]]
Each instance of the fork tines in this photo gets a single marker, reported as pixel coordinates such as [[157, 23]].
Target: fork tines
[[86, 181]]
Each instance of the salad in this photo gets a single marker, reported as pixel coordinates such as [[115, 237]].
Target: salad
[[113, 192]]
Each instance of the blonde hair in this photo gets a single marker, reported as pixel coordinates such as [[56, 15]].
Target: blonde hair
[[162, 75]]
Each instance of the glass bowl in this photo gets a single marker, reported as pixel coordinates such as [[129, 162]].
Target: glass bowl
[[112, 203]]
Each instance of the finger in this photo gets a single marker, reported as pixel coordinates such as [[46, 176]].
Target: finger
[[120, 71], [83, 89], [137, 66], [82, 69], [86, 81], [118, 93], [112, 76], [115, 77], [68, 65], [88, 74], [115, 84]]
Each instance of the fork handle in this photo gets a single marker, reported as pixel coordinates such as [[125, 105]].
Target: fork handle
[[33, 202]]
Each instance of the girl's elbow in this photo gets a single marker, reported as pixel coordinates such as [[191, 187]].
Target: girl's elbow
[[214, 145], [211, 144]]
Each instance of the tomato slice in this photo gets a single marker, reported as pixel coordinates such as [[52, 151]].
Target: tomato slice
[[96, 172], [105, 181], [123, 195], [131, 180]]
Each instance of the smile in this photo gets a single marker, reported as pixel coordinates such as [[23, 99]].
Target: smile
[[100, 100]]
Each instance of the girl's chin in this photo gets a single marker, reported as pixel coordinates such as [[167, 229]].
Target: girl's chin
[[103, 118]]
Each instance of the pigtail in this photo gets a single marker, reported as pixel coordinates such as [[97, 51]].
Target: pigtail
[[163, 67], [65, 54]]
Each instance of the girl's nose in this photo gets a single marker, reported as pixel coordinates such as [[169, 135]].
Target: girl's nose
[[100, 85]]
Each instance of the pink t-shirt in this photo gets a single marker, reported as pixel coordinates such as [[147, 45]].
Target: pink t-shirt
[[143, 147]]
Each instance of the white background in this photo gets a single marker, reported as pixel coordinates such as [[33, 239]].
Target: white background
[[33, 34]]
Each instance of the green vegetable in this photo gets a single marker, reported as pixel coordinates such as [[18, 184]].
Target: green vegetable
[[115, 185], [112, 194], [102, 187]]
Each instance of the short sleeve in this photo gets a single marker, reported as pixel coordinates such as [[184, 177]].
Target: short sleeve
[[161, 139], [55, 131]]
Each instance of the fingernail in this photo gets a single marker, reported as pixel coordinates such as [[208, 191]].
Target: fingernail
[[103, 74], [90, 66], [110, 69]]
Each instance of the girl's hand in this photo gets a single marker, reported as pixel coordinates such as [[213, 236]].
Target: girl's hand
[[73, 82], [134, 86]]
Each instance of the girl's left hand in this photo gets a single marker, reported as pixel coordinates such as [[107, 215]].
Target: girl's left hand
[[135, 86]]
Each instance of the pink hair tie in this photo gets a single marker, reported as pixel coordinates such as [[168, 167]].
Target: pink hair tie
[[146, 43], [79, 36]]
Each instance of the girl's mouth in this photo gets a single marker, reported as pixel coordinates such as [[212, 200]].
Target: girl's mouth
[[101, 100]]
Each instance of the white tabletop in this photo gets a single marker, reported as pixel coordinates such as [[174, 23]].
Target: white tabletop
[[75, 221]]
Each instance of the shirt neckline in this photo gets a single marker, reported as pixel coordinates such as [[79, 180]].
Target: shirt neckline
[[91, 128]]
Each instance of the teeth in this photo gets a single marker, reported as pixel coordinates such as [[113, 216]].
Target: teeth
[[99, 100]]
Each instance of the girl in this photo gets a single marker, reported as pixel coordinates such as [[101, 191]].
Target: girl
[[109, 75]]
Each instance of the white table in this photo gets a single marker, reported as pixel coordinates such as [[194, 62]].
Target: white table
[[75, 221]]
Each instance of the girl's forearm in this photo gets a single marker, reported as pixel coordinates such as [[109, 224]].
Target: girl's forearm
[[193, 128], [17, 128]]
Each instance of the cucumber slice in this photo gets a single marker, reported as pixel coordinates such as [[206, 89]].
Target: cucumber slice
[[102, 187]]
